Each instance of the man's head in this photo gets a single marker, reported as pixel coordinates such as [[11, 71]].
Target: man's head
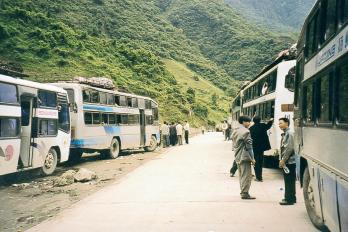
[[165, 122], [284, 123], [257, 119], [244, 120]]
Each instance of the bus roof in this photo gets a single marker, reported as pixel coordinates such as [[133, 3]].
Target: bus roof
[[301, 42], [103, 90], [36, 85]]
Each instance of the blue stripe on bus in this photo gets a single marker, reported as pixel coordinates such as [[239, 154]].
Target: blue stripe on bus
[[112, 130], [109, 130], [98, 108]]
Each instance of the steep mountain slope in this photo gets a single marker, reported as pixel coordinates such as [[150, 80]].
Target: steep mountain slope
[[144, 46], [277, 15]]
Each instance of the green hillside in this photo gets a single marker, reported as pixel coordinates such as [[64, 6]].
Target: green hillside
[[277, 15], [146, 47]]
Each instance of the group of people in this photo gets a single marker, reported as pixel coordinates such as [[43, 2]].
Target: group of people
[[249, 145], [172, 134]]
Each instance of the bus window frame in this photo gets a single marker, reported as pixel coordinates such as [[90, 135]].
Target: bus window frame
[[337, 80], [17, 95], [39, 105], [18, 133]]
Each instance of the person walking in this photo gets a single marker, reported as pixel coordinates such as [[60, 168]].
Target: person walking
[[288, 162], [244, 155], [224, 129], [261, 143], [165, 134], [172, 134], [187, 132], [179, 129]]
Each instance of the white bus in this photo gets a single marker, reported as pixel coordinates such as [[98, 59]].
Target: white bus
[[236, 110], [109, 121], [321, 113], [34, 126], [268, 96]]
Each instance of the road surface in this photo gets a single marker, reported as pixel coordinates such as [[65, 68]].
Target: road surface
[[188, 188]]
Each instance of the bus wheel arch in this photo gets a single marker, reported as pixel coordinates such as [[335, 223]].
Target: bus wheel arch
[[308, 193], [50, 161]]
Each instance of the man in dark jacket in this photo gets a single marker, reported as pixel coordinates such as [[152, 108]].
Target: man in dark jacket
[[260, 143], [172, 134]]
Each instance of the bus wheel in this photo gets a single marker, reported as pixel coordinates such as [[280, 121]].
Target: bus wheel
[[50, 162], [153, 144], [308, 193], [114, 149]]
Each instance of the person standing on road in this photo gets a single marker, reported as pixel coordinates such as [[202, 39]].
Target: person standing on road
[[165, 134], [187, 132], [261, 143], [172, 134], [244, 155], [288, 162], [224, 129], [179, 129]]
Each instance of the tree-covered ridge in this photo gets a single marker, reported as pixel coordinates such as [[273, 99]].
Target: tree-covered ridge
[[277, 15], [139, 44]]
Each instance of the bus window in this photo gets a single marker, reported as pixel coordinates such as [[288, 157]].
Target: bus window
[[272, 109], [48, 127], [133, 119], [308, 103], [25, 108], [123, 101], [343, 94], [290, 80], [86, 95], [330, 24], [148, 104], [8, 93], [105, 119], [149, 120], [129, 101], [112, 119], [324, 97], [155, 113], [134, 102], [63, 118], [9, 127], [344, 11], [110, 99], [117, 100], [118, 119], [96, 118], [94, 96], [102, 98], [124, 119], [47, 98], [312, 41], [88, 118]]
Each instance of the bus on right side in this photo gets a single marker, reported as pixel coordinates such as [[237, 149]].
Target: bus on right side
[[321, 114]]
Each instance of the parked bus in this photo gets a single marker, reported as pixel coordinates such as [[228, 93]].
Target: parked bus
[[236, 110], [109, 121], [321, 113], [34, 126], [269, 95]]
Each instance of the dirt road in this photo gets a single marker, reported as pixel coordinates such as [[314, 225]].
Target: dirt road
[[32, 199]]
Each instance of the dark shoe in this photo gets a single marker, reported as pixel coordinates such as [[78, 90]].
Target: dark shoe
[[248, 197], [231, 174], [294, 201], [258, 180], [285, 202]]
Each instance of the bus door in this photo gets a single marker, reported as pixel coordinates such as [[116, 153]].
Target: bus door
[[142, 127], [26, 135]]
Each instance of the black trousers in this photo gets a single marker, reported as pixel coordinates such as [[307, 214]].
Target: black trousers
[[234, 168], [186, 136], [290, 183], [259, 164], [173, 140]]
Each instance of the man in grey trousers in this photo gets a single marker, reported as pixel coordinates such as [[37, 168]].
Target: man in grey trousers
[[244, 155]]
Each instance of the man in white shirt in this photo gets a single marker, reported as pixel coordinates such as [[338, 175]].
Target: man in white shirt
[[187, 132], [165, 134], [224, 129], [179, 133]]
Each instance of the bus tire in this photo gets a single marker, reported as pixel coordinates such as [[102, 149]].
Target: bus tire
[[310, 202], [114, 149], [75, 156], [50, 162], [153, 145]]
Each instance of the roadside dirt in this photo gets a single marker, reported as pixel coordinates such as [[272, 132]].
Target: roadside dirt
[[32, 199]]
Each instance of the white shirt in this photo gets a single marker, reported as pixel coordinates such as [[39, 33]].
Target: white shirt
[[187, 127], [179, 129], [224, 126], [165, 129]]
